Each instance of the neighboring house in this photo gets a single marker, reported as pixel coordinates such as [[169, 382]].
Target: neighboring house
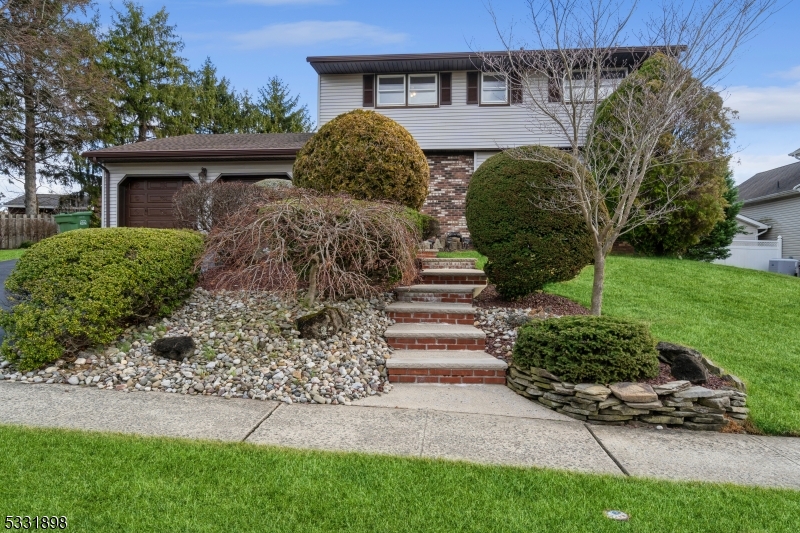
[[459, 115], [750, 230], [772, 199], [48, 203], [141, 178]]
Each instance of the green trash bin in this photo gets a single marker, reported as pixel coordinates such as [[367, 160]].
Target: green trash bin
[[71, 221]]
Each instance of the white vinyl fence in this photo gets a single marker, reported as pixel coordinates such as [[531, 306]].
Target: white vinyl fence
[[753, 254]]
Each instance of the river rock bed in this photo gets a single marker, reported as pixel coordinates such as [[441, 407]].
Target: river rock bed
[[246, 347]]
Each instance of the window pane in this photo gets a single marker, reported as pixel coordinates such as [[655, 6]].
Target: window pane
[[492, 81], [391, 83], [422, 90], [391, 98], [422, 97], [494, 97], [493, 89], [391, 90]]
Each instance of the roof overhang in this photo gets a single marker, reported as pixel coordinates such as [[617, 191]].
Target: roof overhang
[[750, 222], [124, 156], [451, 61], [795, 154], [772, 197]]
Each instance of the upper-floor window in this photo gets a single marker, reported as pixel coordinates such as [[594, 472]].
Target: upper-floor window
[[580, 85], [422, 89], [494, 88], [392, 90]]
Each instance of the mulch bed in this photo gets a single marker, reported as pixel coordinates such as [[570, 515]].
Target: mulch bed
[[549, 303], [664, 376]]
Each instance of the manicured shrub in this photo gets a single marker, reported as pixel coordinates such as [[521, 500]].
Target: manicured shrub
[[588, 349], [82, 288], [334, 245], [366, 155], [527, 246], [426, 225]]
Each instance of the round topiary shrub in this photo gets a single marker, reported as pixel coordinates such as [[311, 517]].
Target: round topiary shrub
[[82, 288], [527, 246], [588, 349], [368, 156]]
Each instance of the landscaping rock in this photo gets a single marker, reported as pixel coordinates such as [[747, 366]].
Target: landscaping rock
[[718, 403], [175, 348], [321, 324], [661, 419], [685, 363], [694, 392], [672, 387], [634, 392]]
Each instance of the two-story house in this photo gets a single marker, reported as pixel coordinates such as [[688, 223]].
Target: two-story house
[[459, 113]]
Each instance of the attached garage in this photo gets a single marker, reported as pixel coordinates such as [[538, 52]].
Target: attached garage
[[142, 178]]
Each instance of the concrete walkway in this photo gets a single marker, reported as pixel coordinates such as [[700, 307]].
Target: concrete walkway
[[479, 423]]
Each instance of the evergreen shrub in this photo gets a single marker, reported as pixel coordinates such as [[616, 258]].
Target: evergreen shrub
[[527, 247], [588, 349], [82, 288], [366, 155]]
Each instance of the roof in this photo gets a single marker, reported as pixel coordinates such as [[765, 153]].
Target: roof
[[795, 154], [779, 181], [46, 201], [206, 146], [435, 62]]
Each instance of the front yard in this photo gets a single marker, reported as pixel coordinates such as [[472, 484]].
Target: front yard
[[104, 482]]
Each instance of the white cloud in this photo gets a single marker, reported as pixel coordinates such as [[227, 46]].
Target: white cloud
[[283, 2], [765, 105], [791, 74], [309, 32], [749, 164]]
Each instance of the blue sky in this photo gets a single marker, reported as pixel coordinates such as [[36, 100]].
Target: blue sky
[[251, 40]]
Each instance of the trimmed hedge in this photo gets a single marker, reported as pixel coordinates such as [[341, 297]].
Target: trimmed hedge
[[527, 247], [82, 288], [427, 225], [367, 155], [588, 349]]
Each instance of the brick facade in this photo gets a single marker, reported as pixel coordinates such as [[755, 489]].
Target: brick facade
[[447, 192]]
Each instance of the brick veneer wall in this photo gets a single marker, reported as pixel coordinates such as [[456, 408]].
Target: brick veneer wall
[[447, 192]]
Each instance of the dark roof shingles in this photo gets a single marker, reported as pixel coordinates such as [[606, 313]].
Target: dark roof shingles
[[211, 143], [775, 181]]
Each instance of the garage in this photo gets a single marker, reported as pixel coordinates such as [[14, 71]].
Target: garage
[[147, 202], [251, 178]]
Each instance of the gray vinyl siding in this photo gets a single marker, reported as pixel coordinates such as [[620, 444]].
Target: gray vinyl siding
[[784, 217], [449, 127]]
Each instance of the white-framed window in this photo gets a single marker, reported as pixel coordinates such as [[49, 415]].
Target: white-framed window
[[494, 88], [422, 89], [581, 83], [392, 90]]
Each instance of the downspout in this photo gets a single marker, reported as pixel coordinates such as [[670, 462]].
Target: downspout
[[106, 194]]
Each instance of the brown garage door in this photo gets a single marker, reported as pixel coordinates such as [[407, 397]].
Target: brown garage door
[[147, 202], [250, 178]]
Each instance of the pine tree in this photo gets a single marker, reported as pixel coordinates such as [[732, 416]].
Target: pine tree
[[156, 96], [216, 104], [716, 244], [277, 111]]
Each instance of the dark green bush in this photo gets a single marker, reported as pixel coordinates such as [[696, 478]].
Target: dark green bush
[[527, 247], [82, 288], [367, 155], [588, 349], [427, 225]]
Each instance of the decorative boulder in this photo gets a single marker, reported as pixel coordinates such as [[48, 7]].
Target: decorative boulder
[[175, 348], [322, 324], [685, 363], [274, 183]]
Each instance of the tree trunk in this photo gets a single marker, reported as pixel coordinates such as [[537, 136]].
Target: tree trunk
[[312, 282], [29, 148], [142, 130], [599, 280]]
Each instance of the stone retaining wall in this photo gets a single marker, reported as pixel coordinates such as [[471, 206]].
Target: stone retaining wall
[[677, 403]]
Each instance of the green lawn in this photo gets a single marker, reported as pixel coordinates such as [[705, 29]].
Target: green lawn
[[5, 255], [745, 320], [116, 483], [479, 264]]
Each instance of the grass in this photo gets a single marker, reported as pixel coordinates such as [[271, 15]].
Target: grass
[[104, 482], [479, 264], [6, 255], [745, 320]]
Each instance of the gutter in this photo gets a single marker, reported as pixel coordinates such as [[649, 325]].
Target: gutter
[[777, 196], [164, 155]]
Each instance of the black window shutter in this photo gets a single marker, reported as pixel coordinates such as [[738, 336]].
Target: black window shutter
[[445, 88], [554, 89], [369, 90], [472, 88], [515, 90]]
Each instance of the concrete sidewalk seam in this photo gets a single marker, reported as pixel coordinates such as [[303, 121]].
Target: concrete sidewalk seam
[[608, 452], [424, 433], [516, 417], [258, 425], [776, 451]]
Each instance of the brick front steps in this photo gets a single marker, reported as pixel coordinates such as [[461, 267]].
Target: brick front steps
[[439, 293], [431, 312], [433, 336], [446, 366], [453, 276]]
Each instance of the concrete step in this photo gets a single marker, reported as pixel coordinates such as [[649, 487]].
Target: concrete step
[[448, 262], [435, 337], [439, 293], [446, 366], [453, 276], [431, 312]]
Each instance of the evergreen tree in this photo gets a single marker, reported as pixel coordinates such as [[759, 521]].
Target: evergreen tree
[[156, 97], [715, 244], [277, 111], [216, 104]]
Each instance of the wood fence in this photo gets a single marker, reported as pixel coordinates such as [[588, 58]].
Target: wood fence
[[16, 229]]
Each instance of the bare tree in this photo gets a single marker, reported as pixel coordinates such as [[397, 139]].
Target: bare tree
[[51, 92], [574, 61]]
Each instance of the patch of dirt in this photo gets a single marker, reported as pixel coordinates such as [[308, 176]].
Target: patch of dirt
[[664, 376], [549, 303]]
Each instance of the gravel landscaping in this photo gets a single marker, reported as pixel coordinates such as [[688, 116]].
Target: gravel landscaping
[[246, 347]]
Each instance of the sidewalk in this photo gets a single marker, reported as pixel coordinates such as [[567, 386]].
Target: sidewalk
[[485, 424]]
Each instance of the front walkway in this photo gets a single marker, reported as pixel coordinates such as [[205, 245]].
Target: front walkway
[[479, 423]]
